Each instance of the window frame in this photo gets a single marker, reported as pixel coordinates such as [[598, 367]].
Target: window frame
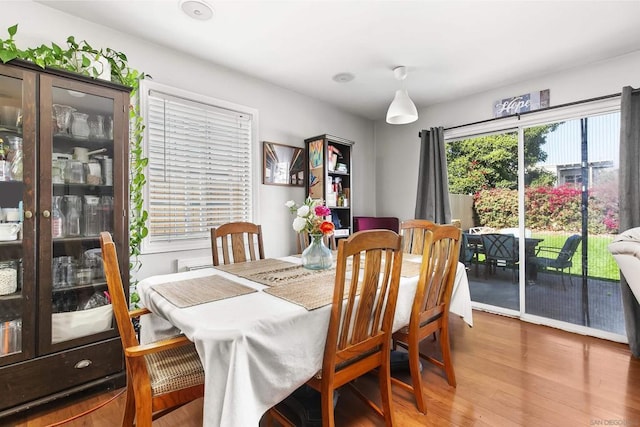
[[148, 247]]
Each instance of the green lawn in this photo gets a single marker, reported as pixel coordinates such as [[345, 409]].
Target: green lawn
[[601, 263]]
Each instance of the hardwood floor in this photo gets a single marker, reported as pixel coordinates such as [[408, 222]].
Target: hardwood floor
[[510, 373]]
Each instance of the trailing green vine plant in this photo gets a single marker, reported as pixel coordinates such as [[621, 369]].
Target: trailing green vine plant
[[81, 57]]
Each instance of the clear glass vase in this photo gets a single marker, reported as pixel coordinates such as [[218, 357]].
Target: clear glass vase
[[317, 256]]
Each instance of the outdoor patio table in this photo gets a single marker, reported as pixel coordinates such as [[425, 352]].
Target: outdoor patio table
[[530, 244], [257, 348]]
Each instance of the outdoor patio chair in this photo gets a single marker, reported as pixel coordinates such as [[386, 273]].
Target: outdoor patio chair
[[500, 250], [481, 230], [560, 260], [467, 252]]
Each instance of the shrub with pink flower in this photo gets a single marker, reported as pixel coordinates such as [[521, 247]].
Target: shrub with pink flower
[[310, 217]]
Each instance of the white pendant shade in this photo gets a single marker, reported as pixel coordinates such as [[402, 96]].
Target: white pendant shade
[[402, 109]]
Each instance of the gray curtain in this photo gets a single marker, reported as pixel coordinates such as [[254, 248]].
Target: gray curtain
[[630, 199], [432, 202]]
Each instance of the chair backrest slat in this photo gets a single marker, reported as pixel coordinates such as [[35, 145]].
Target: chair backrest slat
[[236, 238], [119, 301], [437, 272], [414, 232], [361, 319]]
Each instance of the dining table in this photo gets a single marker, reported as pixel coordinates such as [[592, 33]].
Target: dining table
[[259, 341]]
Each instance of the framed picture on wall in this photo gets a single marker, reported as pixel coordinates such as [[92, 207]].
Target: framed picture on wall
[[282, 164]]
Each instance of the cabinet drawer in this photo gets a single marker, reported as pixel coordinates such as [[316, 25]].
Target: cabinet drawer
[[36, 378]]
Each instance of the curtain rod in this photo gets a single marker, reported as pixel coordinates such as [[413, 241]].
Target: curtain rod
[[568, 104]]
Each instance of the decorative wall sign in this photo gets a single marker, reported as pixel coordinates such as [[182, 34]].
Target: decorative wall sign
[[282, 165], [521, 104]]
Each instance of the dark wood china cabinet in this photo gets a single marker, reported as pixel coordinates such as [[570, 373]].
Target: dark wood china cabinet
[[63, 179]]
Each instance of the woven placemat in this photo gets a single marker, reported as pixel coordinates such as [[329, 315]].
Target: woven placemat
[[410, 268], [187, 293], [310, 292], [295, 273], [246, 269]]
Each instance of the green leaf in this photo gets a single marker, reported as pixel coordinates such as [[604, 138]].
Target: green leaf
[[6, 56], [13, 30]]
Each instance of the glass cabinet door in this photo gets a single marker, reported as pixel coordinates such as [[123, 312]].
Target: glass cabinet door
[[77, 203], [17, 317]]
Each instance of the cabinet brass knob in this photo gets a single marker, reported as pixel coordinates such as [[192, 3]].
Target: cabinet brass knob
[[28, 214], [46, 214]]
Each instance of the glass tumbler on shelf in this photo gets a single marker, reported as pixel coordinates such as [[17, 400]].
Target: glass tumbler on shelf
[[5, 165], [73, 207], [80, 125], [74, 172], [96, 127], [8, 277], [57, 218], [62, 115], [15, 157], [91, 216], [106, 213]]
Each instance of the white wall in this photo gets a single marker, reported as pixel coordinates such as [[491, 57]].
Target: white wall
[[284, 116], [398, 147]]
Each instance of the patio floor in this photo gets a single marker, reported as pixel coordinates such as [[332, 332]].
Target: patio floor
[[548, 297]]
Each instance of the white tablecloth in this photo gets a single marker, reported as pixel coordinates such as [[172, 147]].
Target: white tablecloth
[[256, 349]]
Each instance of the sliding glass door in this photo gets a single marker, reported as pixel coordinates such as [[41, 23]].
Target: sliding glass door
[[484, 170], [571, 207], [552, 185]]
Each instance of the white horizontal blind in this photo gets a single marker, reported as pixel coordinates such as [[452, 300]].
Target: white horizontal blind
[[199, 172]]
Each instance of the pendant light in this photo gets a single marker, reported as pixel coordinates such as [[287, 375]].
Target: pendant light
[[402, 109]]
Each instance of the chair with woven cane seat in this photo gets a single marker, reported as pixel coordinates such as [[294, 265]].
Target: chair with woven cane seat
[[430, 310], [161, 376], [236, 239], [413, 232], [359, 335]]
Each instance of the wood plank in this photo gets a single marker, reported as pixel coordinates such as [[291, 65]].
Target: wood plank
[[510, 373]]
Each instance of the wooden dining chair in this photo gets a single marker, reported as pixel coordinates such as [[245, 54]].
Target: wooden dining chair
[[430, 310], [413, 232], [161, 376], [237, 241], [359, 335], [303, 241]]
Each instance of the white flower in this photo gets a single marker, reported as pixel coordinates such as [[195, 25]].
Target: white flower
[[299, 224], [290, 204], [303, 210]]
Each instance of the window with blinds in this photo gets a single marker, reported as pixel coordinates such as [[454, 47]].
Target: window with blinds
[[200, 167]]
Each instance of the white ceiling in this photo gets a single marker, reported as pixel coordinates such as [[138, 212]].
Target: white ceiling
[[452, 48]]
